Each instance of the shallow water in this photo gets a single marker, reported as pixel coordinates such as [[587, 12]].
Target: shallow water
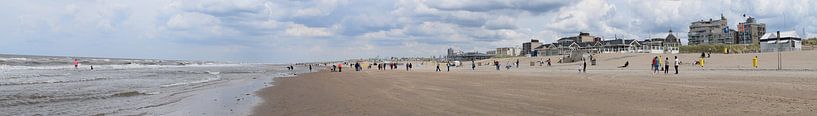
[[134, 89]]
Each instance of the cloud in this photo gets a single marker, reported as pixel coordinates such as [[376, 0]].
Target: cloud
[[298, 30], [186, 21], [529, 6], [263, 30]]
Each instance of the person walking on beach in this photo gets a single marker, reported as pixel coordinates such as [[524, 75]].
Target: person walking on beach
[[754, 62], [584, 66], [438, 68], [357, 66], [447, 67], [677, 62], [666, 65], [310, 67], [517, 63], [496, 63]]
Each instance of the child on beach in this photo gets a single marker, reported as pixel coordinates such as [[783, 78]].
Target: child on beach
[[754, 62], [579, 68], [584, 66], [76, 64]]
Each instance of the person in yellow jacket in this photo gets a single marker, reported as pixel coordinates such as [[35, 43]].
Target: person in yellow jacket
[[754, 62], [701, 62], [660, 62]]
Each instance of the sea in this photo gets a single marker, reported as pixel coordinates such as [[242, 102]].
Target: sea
[[52, 85]]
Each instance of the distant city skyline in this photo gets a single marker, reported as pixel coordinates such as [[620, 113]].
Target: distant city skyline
[[283, 31]]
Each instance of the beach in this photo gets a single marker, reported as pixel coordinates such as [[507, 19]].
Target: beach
[[727, 85]]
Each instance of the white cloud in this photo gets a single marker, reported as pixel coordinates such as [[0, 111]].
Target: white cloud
[[299, 30], [263, 28], [186, 21]]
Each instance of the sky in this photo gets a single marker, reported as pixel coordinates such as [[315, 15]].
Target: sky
[[288, 31]]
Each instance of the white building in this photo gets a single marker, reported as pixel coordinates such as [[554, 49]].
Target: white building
[[789, 41], [669, 44]]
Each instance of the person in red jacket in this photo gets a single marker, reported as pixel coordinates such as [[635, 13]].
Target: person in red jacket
[[340, 67], [76, 63]]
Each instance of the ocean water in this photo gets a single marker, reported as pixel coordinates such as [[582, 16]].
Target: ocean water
[[37, 85]]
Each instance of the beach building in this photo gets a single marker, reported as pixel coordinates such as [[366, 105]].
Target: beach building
[[468, 56], [749, 32], [789, 41], [620, 46], [669, 44], [508, 51], [492, 52], [457, 55], [711, 32], [527, 47], [547, 50], [584, 41]]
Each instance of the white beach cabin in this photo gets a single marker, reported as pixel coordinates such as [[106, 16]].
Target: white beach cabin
[[789, 41]]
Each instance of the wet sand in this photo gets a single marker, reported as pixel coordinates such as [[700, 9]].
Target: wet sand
[[556, 90]]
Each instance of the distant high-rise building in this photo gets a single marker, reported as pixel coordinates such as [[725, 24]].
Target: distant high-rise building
[[450, 52], [527, 47], [711, 32], [749, 32]]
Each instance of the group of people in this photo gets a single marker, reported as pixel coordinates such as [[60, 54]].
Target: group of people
[[656, 65], [392, 66], [359, 67], [447, 67], [337, 68]]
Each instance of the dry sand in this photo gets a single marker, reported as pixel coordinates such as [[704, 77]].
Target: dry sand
[[723, 87]]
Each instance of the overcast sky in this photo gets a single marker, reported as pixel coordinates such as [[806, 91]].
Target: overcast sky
[[284, 31]]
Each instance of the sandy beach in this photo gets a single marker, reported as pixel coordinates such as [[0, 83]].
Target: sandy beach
[[725, 86]]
